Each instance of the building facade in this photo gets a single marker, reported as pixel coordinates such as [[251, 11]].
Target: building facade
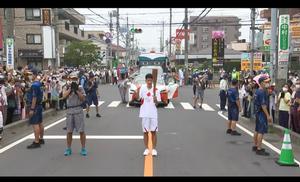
[[25, 25], [203, 31]]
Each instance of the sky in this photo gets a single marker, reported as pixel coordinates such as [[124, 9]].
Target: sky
[[98, 19]]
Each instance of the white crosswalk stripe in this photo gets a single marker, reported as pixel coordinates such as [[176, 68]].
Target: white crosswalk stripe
[[187, 106], [114, 104], [218, 105], [170, 106], [206, 107], [99, 104]]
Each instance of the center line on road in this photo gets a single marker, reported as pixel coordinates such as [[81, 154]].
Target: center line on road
[[187, 106], [251, 134], [114, 104], [148, 162]]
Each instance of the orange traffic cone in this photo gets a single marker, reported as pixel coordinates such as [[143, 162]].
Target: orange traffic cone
[[286, 155]]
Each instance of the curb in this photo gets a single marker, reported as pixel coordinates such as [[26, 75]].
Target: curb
[[295, 137], [23, 122]]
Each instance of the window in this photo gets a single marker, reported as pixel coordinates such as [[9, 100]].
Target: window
[[75, 30], [204, 38], [67, 26], [205, 29], [82, 33], [204, 46], [33, 14], [33, 39]]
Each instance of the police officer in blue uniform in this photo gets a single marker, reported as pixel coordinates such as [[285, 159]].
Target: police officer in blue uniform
[[35, 97], [234, 108], [262, 115]]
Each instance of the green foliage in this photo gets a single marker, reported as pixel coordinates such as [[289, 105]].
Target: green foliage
[[81, 53]]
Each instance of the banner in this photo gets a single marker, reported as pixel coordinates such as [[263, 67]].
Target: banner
[[267, 40], [245, 61], [10, 53], [218, 46], [49, 42], [257, 61]]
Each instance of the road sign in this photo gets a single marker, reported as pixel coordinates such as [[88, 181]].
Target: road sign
[[284, 45], [108, 35], [267, 40], [284, 22], [10, 53]]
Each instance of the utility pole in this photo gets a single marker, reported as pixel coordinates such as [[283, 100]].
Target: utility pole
[[56, 64], [118, 31], [9, 28], [273, 50], [186, 38], [110, 43], [252, 38], [170, 35], [127, 43], [133, 50], [280, 72], [163, 36]]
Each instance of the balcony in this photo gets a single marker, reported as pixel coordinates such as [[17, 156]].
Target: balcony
[[72, 15], [69, 32]]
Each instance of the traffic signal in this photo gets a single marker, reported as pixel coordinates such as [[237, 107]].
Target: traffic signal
[[136, 30]]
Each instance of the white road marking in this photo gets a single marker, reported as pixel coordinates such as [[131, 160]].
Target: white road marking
[[93, 137], [170, 106], [29, 136], [218, 105], [187, 106], [114, 104], [251, 134], [99, 104], [206, 107]]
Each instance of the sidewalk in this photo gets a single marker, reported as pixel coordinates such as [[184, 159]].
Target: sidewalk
[[21, 128], [274, 136]]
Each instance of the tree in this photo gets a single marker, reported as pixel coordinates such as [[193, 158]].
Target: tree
[[81, 53]]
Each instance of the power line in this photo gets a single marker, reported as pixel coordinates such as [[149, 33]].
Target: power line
[[98, 14], [198, 16]]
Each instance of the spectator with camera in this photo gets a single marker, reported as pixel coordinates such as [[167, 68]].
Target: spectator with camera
[[75, 95], [92, 95], [284, 100]]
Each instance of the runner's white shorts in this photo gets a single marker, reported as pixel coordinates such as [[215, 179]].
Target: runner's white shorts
[[149, 124]]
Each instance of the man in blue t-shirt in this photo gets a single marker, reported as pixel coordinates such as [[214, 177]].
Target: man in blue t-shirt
[[262, 115], [233, 108], [92, 95], [35, 98]]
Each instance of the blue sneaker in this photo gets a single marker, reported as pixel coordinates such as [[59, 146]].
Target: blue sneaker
[[68, 152], [83, 152]]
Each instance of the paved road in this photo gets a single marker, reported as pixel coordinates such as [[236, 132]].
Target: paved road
[[190, 143]]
